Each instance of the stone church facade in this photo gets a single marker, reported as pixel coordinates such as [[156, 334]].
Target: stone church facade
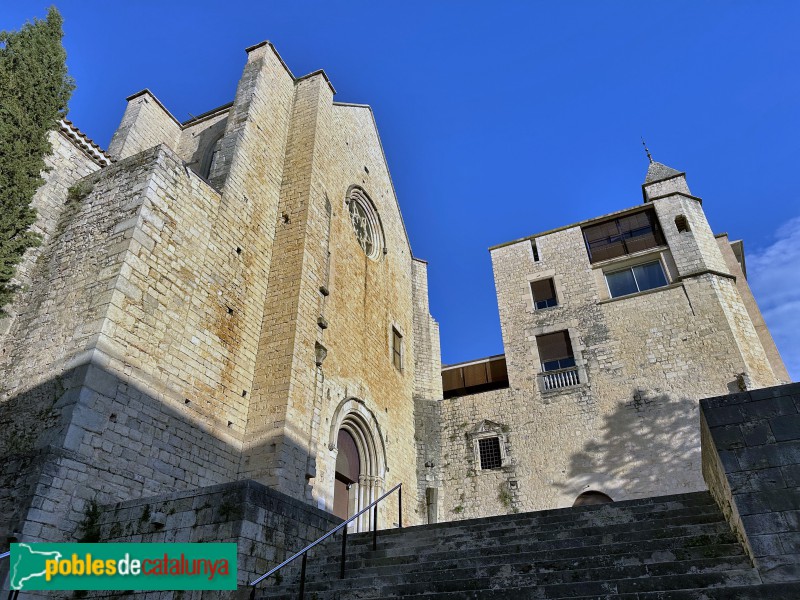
[[231, 304]]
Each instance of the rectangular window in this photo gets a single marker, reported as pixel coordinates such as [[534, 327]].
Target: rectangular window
[[623, 236], [489, 450], [397, 349], [535, 251], [636, 279], [544, 294], [555, 351]]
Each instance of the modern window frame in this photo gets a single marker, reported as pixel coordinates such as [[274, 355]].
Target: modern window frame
[[577, 371], [631, 268], [626, 236], [562, 363], [548, 302]]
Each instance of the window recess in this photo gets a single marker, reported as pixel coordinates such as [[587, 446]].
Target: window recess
[[622, 236], [489, 451], [637, 278], [558, 361], [544, 294], [397, 349]]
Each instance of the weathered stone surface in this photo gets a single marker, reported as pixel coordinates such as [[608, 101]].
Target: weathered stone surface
[[168, 339], [760, 491], [630, 428]]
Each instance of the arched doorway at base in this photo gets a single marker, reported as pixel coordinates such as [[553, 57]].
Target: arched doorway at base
[[592, 497], [348, 471], [360, 459]]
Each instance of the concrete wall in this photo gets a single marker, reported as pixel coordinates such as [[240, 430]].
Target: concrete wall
[[751, 462]]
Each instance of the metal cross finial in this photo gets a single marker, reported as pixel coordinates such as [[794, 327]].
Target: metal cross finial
[[650, 158]]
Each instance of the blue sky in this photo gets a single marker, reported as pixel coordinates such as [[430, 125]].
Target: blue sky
[[501, 119]]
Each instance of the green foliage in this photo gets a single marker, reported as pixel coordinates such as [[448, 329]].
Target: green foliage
[[91, 523], [34, 91], [146, 514], [504, 496]]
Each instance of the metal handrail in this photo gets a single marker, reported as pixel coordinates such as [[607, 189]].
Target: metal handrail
[[373, 505], [12, 594]]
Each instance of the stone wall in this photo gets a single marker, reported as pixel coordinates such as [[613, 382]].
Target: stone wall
[[266, 525], [751, 462], [64, 166], [629, 429], [427, 399], [146, 123], [184, 332], [749, 301]]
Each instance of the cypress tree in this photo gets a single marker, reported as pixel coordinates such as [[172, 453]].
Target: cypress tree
[[34, 91]]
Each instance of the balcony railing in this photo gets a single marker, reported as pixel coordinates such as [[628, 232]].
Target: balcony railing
[[553, 380]]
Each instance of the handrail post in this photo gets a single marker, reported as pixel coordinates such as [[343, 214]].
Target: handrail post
[[344, 551], [343, 526], [375, 528], [303, 575], [400, 506]]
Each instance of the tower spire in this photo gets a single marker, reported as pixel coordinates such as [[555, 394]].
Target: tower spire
[[649, 157]]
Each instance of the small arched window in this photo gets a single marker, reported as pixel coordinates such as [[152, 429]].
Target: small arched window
[[682, 224], [592, 497]]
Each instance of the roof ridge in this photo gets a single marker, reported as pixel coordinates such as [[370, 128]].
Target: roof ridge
[[85, 143]]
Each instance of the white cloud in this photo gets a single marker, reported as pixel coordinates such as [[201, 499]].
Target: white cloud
[[774, 276]]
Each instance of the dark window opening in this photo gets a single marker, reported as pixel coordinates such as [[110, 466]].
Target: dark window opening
[[210, 156], [682, 224], [544, 294], [489, 450], [535, 251], [636, 279], [555, 351], [397, 349], [622, 236]]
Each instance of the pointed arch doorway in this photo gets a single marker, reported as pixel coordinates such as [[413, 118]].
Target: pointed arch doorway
[[348, 470], [359, 456]]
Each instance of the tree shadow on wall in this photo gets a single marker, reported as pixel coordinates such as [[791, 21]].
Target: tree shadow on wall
[[648, 445]]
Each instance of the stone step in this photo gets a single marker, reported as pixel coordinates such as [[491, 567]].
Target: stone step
[[608, 515], [459, 537], [518, 588], [703, 557], [786, 591], [528, 574], [645, 506], [683, 548], [650, 549], [525, 544]]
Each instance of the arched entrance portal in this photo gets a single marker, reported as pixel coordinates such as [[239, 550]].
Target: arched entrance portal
[[348, 470], [360, 461], [592, 497]]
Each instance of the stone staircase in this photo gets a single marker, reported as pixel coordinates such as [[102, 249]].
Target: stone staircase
[[656, 548]]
